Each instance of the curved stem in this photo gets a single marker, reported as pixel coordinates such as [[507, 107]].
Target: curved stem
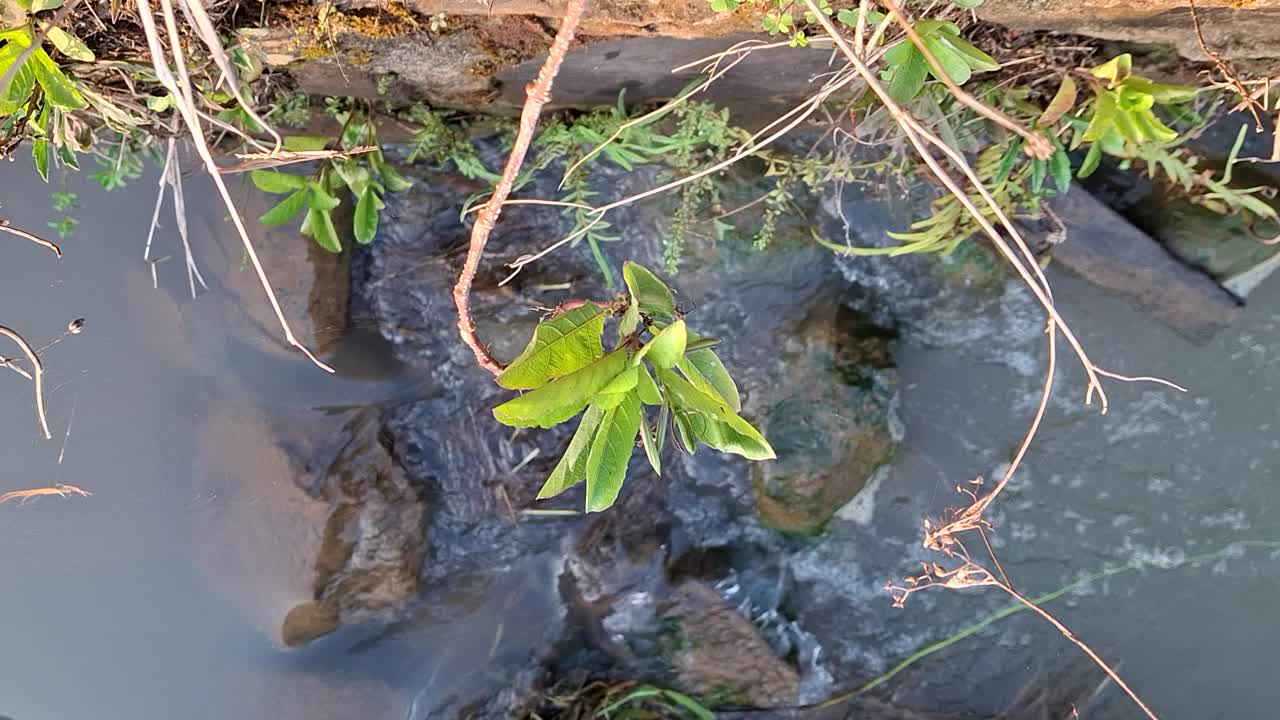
[[539, 94], [37, 377]]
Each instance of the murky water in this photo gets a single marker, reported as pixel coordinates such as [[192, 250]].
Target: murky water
[[161, 596]]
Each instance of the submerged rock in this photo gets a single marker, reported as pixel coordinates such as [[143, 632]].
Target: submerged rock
[[718, 655]]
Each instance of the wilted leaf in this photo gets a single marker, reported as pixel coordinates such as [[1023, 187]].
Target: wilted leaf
[[630, 320], [1060, 105], [561, 399], [271, 181], [650, 293], [666, 348], [610, 452], [285, 210], [572, 468], [561, 345]]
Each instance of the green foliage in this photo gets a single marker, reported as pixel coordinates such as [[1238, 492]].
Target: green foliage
[[441, 140], [567, 371], [907, 67], [120, 163], [366, 176], [66, 203], [289, 110]]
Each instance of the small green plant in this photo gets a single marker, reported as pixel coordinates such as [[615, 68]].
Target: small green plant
[[64, 202], [908, 68], [290, 110], [367, 177], [119, 164], [566, 371]]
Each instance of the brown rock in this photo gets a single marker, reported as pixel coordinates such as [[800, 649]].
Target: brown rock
[[1238, 29], [719, 655]]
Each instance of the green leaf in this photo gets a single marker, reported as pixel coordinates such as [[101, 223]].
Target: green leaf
[[1091, 160], [1007, 162], [1060, 105], [391, 177], [610, 452], [704, 369], [305, 143], [952, 63], [572, 468], [319, 225], [1039, 171], [1115, 70], [560, 345], [650, 293], [646, 388], [22, 84], [40, 153], [160, 103], [666, 347], [320, 198], [1104, 114], [977, 60], [366, 218], [1160, 92], [650, 444], [563, 398], [285, 210], [611, 395], [69, 45], [1235, 153], [908, 78], [967, 4], [630, 320], [711, 421], [271, 181], [1060, 167], [59, 90], [42, 5]]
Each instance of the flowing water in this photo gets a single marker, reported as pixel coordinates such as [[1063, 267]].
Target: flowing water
[[161, 595]]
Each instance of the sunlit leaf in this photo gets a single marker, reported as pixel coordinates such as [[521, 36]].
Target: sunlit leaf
[[610, 453], [42, 5], [572, 468], [1115, 70], [711, 421], [704, 369], [40, 154], [560, 345], [650, 293], [69, 44], [285, 210], [59, 90], [563, 398], [978, 60], [646, 388], [321, 198], [1104, 114], [305, 143], [22, 84], [666, 347]]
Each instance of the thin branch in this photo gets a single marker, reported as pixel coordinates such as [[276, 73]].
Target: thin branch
[[6, 227], [37, 377], [1224, 67], [181, 90], [1037, 145], [539, 94]]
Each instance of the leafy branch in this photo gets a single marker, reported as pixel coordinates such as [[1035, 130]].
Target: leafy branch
[[566, 370]]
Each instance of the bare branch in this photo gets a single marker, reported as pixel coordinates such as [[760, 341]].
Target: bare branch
[[6, 227], [539, 94], [37, 377]]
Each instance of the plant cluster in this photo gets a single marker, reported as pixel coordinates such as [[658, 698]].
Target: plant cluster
[[656, 362], [365, 174]]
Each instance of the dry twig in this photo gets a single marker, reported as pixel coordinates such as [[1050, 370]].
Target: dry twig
[[539, 94], [61, 490], [37, 377], [1223, 66], [6, 227]]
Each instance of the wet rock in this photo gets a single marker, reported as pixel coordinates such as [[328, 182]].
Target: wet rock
[[719, 656], [1109, 252], [1237, 30], [320, 527], [832, 426]]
